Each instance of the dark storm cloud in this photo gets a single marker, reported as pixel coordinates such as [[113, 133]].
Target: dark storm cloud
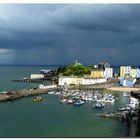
[[59, 34]]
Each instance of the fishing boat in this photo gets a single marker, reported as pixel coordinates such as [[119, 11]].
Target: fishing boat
[[122, 109], [76, 97], [63, 101], [110, 100], [51, 92], [57, 93], [99, 105], [37, 99], [69, 101], [79, 103]]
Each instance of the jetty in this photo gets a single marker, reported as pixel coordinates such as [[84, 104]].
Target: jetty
[[29, 80]]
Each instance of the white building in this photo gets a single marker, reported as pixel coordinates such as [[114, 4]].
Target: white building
[[37, 76], [69, 80], [91, 81], [47, 87], [108, 73]]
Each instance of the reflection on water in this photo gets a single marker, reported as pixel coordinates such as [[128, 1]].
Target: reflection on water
[[49, 118]]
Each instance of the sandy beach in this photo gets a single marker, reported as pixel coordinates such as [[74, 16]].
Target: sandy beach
[[129, 89]]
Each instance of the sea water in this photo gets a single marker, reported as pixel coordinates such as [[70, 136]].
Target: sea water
[[49, 118]]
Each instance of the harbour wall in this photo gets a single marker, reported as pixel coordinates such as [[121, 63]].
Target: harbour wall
[[16, 94]]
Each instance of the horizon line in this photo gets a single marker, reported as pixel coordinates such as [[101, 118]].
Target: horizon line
[[53, 65]]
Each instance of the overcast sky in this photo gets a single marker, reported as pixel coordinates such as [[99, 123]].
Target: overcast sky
[[54, 34]]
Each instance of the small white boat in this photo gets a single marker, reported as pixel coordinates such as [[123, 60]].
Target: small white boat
[[63, 101], [122, 109], [51, 92], [79, 103], [99, 105], [69, 101], [57, 93], [110, 100], [101, 100]]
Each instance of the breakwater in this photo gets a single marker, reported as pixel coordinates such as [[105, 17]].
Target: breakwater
[[16, 94]]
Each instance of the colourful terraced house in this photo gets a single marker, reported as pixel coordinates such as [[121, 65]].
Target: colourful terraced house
[[125, 71], [97, 73]]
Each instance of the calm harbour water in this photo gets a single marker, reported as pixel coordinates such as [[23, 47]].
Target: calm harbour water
[[49, 118]]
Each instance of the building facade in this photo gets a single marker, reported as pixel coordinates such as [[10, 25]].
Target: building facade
[[37, 76], [108, 73], [70, 80], [91, 81], [128, 82], [125, 71], [47, 87], [97, 73], [137, 73], [133, 73], [67, 80]]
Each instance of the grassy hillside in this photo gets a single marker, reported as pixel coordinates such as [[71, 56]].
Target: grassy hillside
[[75, 70]]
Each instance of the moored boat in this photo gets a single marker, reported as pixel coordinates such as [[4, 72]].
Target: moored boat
[[63, 101], [37, 99], [78, 103], [69, 101], [122, 109], [51, 92], [99, 105], [57, 93], [110, 100]]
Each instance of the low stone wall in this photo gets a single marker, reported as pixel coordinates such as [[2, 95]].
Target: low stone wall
[[92, 87]]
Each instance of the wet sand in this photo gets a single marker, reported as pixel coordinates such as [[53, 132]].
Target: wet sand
[[129, 89]]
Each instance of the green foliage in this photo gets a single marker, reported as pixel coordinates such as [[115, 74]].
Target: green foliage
[[75, 70]]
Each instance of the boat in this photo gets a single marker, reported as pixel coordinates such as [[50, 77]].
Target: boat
[[99, 105], [79, 103], [122, 109], [57, 93], [69, 101], [63, 101], [51, 92], [101, 100], [37, 99], [110, 100], [84, 98], [76, 97]]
